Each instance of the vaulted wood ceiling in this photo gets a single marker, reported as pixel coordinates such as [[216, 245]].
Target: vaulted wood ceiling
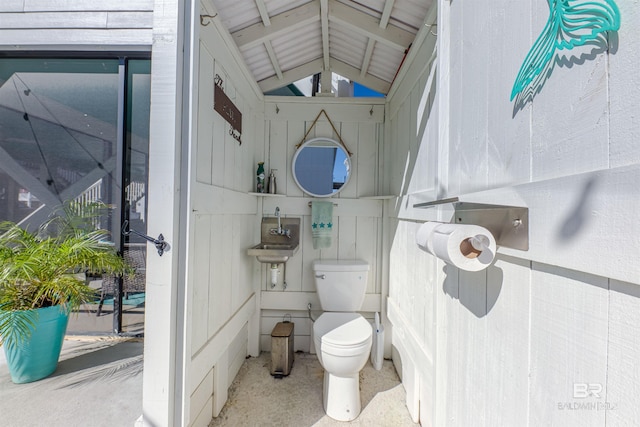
[[283, 41]]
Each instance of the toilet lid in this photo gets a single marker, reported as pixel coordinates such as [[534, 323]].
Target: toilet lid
[[342, 329]]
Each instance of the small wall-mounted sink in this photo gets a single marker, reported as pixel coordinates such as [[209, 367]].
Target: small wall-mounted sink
[[277, 248], [273, 253]]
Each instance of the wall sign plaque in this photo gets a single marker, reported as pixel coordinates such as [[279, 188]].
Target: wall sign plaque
[[225, 107]]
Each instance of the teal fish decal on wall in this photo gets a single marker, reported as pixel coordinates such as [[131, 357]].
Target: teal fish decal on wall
[[571, 23]]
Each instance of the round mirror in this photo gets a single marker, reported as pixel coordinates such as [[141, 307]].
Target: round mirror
[[321, 167]]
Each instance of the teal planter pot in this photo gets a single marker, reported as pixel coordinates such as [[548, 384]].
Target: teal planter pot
[[37, 357]]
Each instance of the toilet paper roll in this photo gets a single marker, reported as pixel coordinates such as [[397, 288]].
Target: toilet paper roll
[[465, 246], [423, 236]]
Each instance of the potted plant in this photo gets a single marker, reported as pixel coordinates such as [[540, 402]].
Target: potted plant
[[42, 282]]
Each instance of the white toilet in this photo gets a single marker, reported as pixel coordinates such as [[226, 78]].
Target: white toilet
[[342, 337]]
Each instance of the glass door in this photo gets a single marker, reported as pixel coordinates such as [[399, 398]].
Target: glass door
[[76, 130]]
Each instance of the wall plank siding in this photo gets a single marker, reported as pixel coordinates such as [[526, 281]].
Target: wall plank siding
[[511, 345], [223, 300], [73, 24], [67, 20], [86, 5], [98, 39], [357, 221]]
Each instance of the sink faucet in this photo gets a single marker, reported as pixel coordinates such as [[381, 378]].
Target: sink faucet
[[280, 231]]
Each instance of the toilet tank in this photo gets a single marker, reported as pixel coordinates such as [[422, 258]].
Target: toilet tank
[[341, 284]]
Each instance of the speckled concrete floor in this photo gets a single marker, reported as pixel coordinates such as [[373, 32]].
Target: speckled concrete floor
[[258, 399], [98, 383]]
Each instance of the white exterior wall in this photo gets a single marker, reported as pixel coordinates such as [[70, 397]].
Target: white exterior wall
[[222, 312], [506, 346], [200, 313], [358, 214], [76, 24]]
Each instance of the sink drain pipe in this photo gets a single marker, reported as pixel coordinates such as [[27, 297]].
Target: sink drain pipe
[[284, 276], [274, 275]]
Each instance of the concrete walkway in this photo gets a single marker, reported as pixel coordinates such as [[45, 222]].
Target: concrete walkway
[[98, 383]]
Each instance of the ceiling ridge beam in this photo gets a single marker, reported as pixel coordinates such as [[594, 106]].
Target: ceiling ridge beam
[[324, 21], [285, 22], [369, 26]]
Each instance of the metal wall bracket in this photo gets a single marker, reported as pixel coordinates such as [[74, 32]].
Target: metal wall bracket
[[160, 244], [508, 224]]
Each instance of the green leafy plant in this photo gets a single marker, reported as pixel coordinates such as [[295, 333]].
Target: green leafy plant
[[45, 267]]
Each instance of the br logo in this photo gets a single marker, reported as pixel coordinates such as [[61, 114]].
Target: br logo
[[584, 390]]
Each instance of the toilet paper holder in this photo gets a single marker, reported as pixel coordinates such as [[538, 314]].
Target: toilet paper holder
[[508, 224]]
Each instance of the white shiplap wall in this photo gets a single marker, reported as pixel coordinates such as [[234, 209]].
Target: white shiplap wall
[[76, 24], [222, 304], [507, 345], [358, 216]]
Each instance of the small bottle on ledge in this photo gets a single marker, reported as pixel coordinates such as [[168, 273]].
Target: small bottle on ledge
[[272, 182], [260, 178]]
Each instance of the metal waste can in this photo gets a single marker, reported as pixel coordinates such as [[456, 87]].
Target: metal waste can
[[282, 349]]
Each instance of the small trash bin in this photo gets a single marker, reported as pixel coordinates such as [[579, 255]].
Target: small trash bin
[[282, 349]]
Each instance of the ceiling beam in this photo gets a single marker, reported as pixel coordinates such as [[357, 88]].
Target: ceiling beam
[[369, 26], [367, 58], [274, 59], [262, 8], [324, 22], [425, 35], [283, 23], [292, 75], [384, 21], [386, 13]]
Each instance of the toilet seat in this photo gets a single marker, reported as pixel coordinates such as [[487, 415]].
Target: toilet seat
[[343, 333]]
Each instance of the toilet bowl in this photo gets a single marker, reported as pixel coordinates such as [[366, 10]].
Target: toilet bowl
[[343, 345], [341, 336]]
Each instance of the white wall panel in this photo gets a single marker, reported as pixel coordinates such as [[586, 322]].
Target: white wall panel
[[570, 133], [569, 313], [367, 159], [201, 280], [510, 344], [507, 337], [356, 232], [623, 370], [508, 132], [12, 6], [624, 89], [99, 39], [76, 24], [204, 148], [86, 5], [222, 216]]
